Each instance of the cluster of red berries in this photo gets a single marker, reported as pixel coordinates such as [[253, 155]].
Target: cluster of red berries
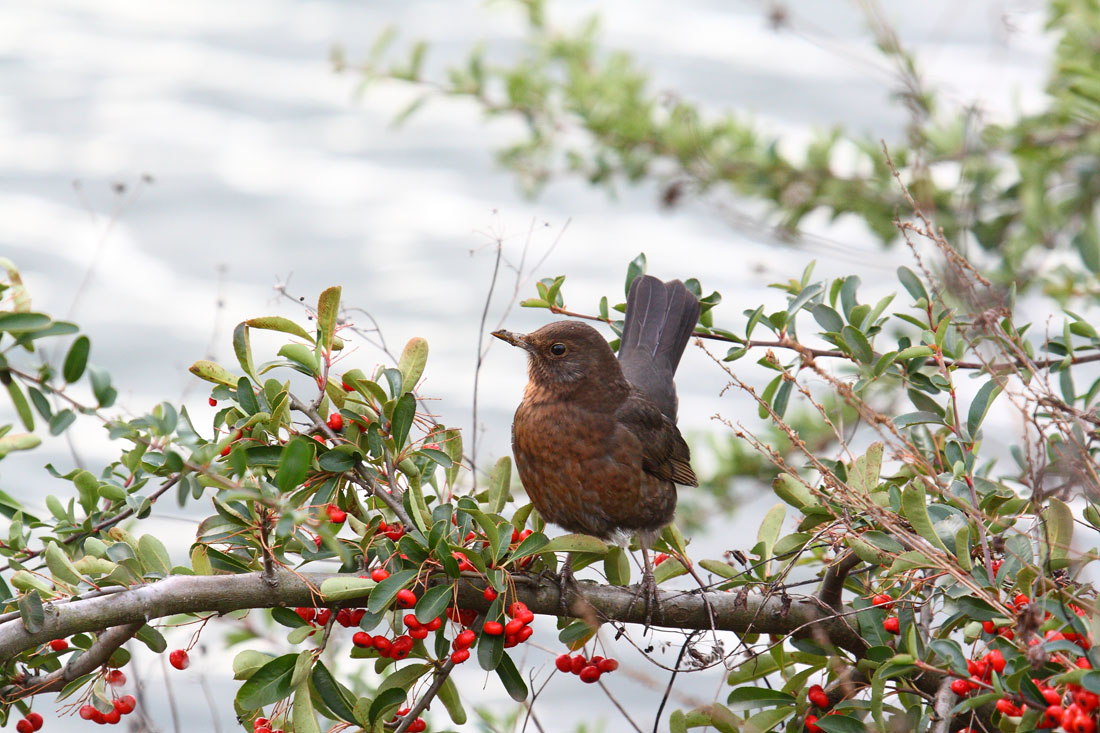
[[516, 631], [891, 624], [121, 706], [817, 697], [465, 616], [29, 724], [346, 617], [589, 670], [335, 422], [461, 646], [263, 725], [417, 726], [397, 648], [336, 515]]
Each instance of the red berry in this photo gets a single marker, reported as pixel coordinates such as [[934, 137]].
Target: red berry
[[1084, 663], [382, 644], [883, 601], [260, 721], [490, 594], [262, 729], [1020, 600], [493, 628], [1055, 713], [336, 515], [59, 645], [519, 610], [434, 624], [112, 717], [306, 614], [226, 450], [465, 639], [960, 688], [213, 402], [87, 712], [996, 660], [406, 598], [126, 704], [989, 627], [661, 557], [378, 575], [24, 726], [811, 724], [608, 665], [816, 695], [1052, 696], [418, 726], [1005, 706], [411, 622], [564, 663], [35, 719], [458, 656], [577, 663], [179, 659], [892, 625], [116, 678], [336, 422], [589, 673], [362, 640], [524, 634], [346, 387], [512, 627], [323, 615], [418, 633]]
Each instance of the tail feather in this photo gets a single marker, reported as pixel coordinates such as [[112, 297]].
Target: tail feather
[[659, 320]]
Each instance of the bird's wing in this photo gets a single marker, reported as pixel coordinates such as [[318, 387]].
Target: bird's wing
[[665, 454]]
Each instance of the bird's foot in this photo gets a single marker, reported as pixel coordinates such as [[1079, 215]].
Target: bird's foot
[[647, 591], [567, 585]]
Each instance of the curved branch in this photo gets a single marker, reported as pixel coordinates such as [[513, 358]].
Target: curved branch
[[833, 582], [79, 664]]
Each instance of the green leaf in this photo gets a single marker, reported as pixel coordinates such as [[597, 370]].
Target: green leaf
[[153, 556], [434, 602], [827, 318], [576, 543], [403, 413], [21, 441], [302, 715], [532, 545], [302, 355], [242, 347], [1059, 532], [342, 588], [864, 472], [294, 463], [338, 699], [512, 679], [499, 480], [386, 704], [616, 566], [448, 695], [328, 308], [840, 724], [915, 508], [76, 360], [152, 639], [912, 283], [278, 323], [769, 529], [858, 344], [917, 418], [636, 268], [748, 698], [411, 364], [212, 372], [269, 684], [60, 422], [61, 567], [980, 405], [14, 322], [22, 408], [31, 612]]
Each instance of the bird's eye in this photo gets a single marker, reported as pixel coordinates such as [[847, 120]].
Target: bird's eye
[[557, 349]]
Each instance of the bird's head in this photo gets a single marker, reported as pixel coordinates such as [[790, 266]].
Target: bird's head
[[565, 355]]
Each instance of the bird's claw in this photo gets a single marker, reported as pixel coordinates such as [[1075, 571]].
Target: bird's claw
[[567, 584], [647, 591]]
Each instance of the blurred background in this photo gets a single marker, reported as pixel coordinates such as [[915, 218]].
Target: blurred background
[[167, 170]]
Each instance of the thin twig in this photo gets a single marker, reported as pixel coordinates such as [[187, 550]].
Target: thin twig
[[437, 684]]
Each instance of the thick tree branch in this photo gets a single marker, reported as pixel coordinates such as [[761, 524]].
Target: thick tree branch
[[833, 582]]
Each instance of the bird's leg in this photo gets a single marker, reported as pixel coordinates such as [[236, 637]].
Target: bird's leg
[[566, 584], [648, 587]]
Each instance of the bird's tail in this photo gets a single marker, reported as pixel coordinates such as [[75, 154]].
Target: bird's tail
[[659, 320]]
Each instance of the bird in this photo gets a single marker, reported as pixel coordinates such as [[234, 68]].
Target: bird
[[595, 438]]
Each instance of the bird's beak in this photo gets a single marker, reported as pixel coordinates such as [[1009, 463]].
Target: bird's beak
[[515, 339]]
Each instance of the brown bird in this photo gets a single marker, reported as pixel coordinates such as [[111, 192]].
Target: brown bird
[[595, 438]]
